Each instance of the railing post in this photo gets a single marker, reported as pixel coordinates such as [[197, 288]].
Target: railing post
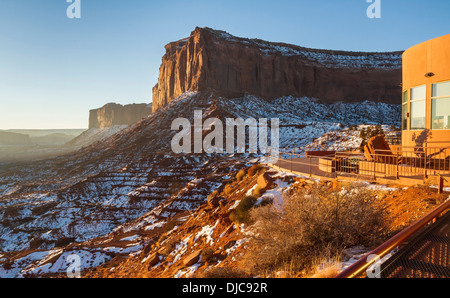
[[425, 161], [441, 185], [374, 165], [310, 173], [292, 153], [397, 176], [335, 165]]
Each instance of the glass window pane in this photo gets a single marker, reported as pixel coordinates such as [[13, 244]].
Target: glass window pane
[[405, 97], [404, 116], [418, 114], [440, 113], [441, 89], [419, 92]]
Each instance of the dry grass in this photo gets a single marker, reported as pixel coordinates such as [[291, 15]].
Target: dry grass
[[312, 224], [326, 267], [225, 272]]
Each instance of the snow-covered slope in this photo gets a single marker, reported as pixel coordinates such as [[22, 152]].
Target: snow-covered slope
[[105, 186]]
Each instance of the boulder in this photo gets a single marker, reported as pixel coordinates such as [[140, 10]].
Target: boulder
[[192, 258], [264, 181], [153, 259]]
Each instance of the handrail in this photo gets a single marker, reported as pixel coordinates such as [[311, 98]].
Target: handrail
[[363, 264]]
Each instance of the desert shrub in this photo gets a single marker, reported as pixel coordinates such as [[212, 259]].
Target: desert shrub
[[253, 170], [242, 212], [313, 223], [228, 189], [207, 255], [225, 272], [258, 191], [213, 198], [240, 175]]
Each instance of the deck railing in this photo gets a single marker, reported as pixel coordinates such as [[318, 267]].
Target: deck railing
[[362, 265], [417, 162]]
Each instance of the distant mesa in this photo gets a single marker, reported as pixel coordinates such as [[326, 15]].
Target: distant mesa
[[109, 120], [14, 139], [113, 114], [212, 60]]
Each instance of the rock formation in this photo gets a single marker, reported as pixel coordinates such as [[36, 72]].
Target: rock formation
[[116, 114], [232, 67]]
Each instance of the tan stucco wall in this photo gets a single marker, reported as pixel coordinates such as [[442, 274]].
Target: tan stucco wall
[[432, 56]]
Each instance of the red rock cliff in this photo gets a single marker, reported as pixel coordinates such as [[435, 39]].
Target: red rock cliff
[[233, 66]]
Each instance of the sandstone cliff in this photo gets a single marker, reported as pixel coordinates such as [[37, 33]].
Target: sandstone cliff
[[232, 66], [116, 114]]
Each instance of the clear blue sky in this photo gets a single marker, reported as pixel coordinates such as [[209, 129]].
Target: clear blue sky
[[54, 69]]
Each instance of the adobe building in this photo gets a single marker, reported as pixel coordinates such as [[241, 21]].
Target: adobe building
[[426, 94]]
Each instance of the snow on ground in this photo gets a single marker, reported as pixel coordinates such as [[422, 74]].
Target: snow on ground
[[131, 238], [308, 124], [207, 232], [187, 273], [276, 194], [54, 261], [354, 254]]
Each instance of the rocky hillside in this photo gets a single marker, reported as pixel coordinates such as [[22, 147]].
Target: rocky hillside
[[232, 66], [113, 114], [51, 204], [201, 241]]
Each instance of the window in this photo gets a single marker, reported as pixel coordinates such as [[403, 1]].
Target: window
[[405, 111], [418, 107], [440, 106]]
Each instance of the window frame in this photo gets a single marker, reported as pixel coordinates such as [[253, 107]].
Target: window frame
[[432, 101], [411, 101]]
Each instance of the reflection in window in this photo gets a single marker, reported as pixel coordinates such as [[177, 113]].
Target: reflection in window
[[418, 107], [405, 111], [440, 106]]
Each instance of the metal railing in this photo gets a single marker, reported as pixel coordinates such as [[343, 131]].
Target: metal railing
[[404, 161], [417, 162], [361, 266], [307, 164]]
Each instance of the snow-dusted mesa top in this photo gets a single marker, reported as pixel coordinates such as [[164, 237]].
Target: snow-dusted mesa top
[[327, 58]]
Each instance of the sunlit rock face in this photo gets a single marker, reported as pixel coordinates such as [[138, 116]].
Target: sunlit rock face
[[115, 114], [211, 60]]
